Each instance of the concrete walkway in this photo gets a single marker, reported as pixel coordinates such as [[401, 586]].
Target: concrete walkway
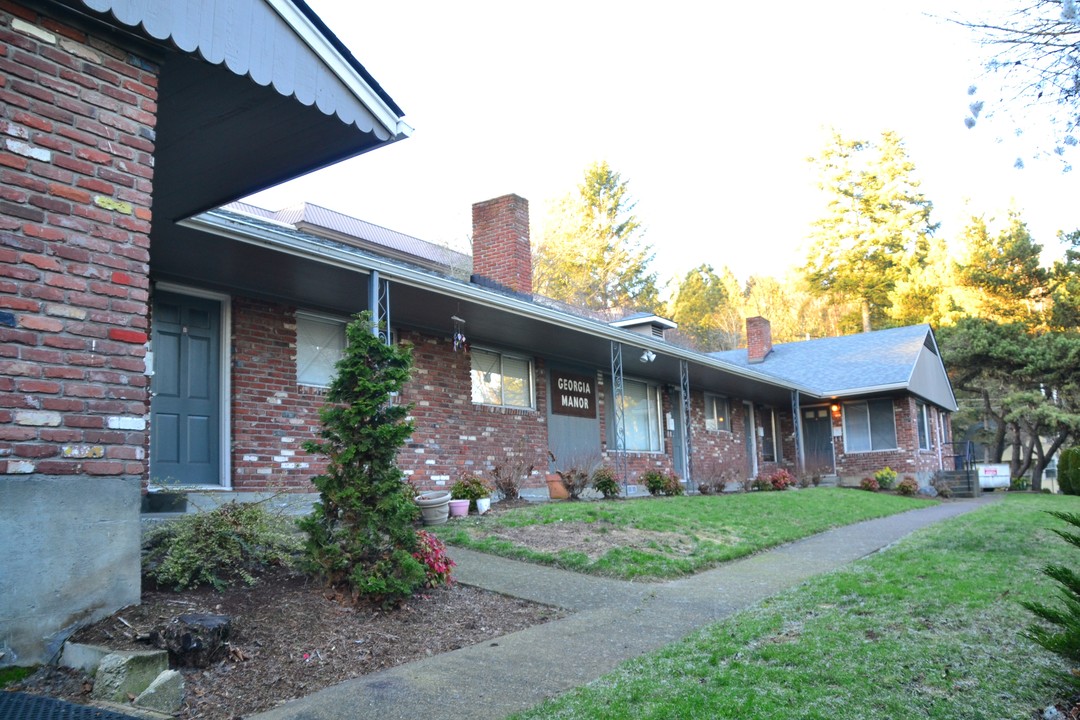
[[612, 621]]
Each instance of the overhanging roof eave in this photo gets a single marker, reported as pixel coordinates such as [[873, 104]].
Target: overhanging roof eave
[[283, 240]]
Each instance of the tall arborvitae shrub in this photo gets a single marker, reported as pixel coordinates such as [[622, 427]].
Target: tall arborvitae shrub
[[1069, 471], [1063, 634], [361, 537]]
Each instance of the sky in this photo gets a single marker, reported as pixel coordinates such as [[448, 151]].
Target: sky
[[708, 110]]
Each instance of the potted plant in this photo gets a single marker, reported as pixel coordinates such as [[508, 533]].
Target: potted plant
[[574, 475], [474, 490]]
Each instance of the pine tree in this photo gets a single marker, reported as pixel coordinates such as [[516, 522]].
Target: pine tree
[[592, 253], [876, 226]]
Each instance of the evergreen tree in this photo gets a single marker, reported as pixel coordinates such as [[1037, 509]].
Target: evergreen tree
[[592, 253], [1006, 272], [697, 306], [360, 533], [876, 227]]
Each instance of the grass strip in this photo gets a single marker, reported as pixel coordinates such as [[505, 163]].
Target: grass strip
[[676, 536], [930, 628]]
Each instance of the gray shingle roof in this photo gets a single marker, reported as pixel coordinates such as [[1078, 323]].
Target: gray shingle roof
[[845, 365]]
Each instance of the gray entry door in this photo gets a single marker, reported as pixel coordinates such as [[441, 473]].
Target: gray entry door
[[185, 421], [817, 440]]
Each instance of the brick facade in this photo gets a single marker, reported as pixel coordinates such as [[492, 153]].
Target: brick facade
[[272, 415], [908, 458], [77, 120]]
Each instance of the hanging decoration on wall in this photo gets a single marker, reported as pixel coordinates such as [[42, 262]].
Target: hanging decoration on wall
[[460, 343]]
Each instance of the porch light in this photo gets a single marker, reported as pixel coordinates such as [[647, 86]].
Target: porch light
[[835, 408], [648, 356]]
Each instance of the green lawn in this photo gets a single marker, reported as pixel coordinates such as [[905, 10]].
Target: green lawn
[[930, 628], [681, 535]]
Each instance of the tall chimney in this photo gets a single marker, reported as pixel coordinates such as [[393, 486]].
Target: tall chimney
[[758, 339], [502, 256]]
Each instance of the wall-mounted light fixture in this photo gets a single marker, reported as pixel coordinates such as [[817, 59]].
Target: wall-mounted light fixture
[[835, 409], [647, 356]]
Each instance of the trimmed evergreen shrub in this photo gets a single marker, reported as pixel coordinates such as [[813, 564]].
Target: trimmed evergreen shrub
[[361, 539], [1069, 471]]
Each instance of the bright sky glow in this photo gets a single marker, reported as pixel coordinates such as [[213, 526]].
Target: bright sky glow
[[709, 110]]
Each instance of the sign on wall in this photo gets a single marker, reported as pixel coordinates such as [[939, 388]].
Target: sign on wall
[[573, 394]]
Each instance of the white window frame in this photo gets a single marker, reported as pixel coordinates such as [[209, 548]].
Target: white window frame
[[770, 423], [316, 379], [860, 410], [654, 426], [713, 421], [922, 424], [500, 401]]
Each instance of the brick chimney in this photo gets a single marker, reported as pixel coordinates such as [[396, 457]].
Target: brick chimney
[[758, 339], [502, 256]]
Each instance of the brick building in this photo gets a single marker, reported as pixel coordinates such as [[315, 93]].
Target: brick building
[[118, 119], [149, 341]]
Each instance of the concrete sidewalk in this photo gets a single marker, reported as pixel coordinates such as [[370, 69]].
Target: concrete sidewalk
[[613, 621]]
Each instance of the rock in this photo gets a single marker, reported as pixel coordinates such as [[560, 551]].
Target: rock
[[165, 694], [127, 672], [1052, 713], [194, 640]]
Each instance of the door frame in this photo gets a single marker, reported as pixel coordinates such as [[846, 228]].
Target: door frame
[[224, 378], [832, 437], [750, 442]]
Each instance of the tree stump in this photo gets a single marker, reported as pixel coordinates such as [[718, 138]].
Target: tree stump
[[194, 640]]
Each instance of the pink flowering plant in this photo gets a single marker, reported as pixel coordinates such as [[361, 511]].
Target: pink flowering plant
[[431, 552]]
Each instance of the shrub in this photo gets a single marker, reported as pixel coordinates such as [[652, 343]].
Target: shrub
[[226, 545], [673, 486], [908, 486], [1020, 484], [606, 483], [870, 484], [1069, 471], [941, 485], [777, 480], [885, 477], [361, 538], [711, 487], [781, 479], [431, 552], [659, 483], [1063, 637], [509, 475], [576, 472]]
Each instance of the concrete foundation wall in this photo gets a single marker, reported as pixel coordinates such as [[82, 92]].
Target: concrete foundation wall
[[90, 539]]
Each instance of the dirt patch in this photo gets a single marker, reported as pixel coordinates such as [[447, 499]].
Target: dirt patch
[[289, 639], [591, 539]]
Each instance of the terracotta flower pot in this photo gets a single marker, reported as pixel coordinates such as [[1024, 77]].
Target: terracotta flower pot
[[556, 490]]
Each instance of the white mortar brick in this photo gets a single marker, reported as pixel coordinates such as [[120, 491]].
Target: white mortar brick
[[127, 423], [33, 31]]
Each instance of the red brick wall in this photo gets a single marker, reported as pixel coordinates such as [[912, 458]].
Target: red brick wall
[[906, 459], [272, 415], [76, 166], [455, 436], [501, 250]]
